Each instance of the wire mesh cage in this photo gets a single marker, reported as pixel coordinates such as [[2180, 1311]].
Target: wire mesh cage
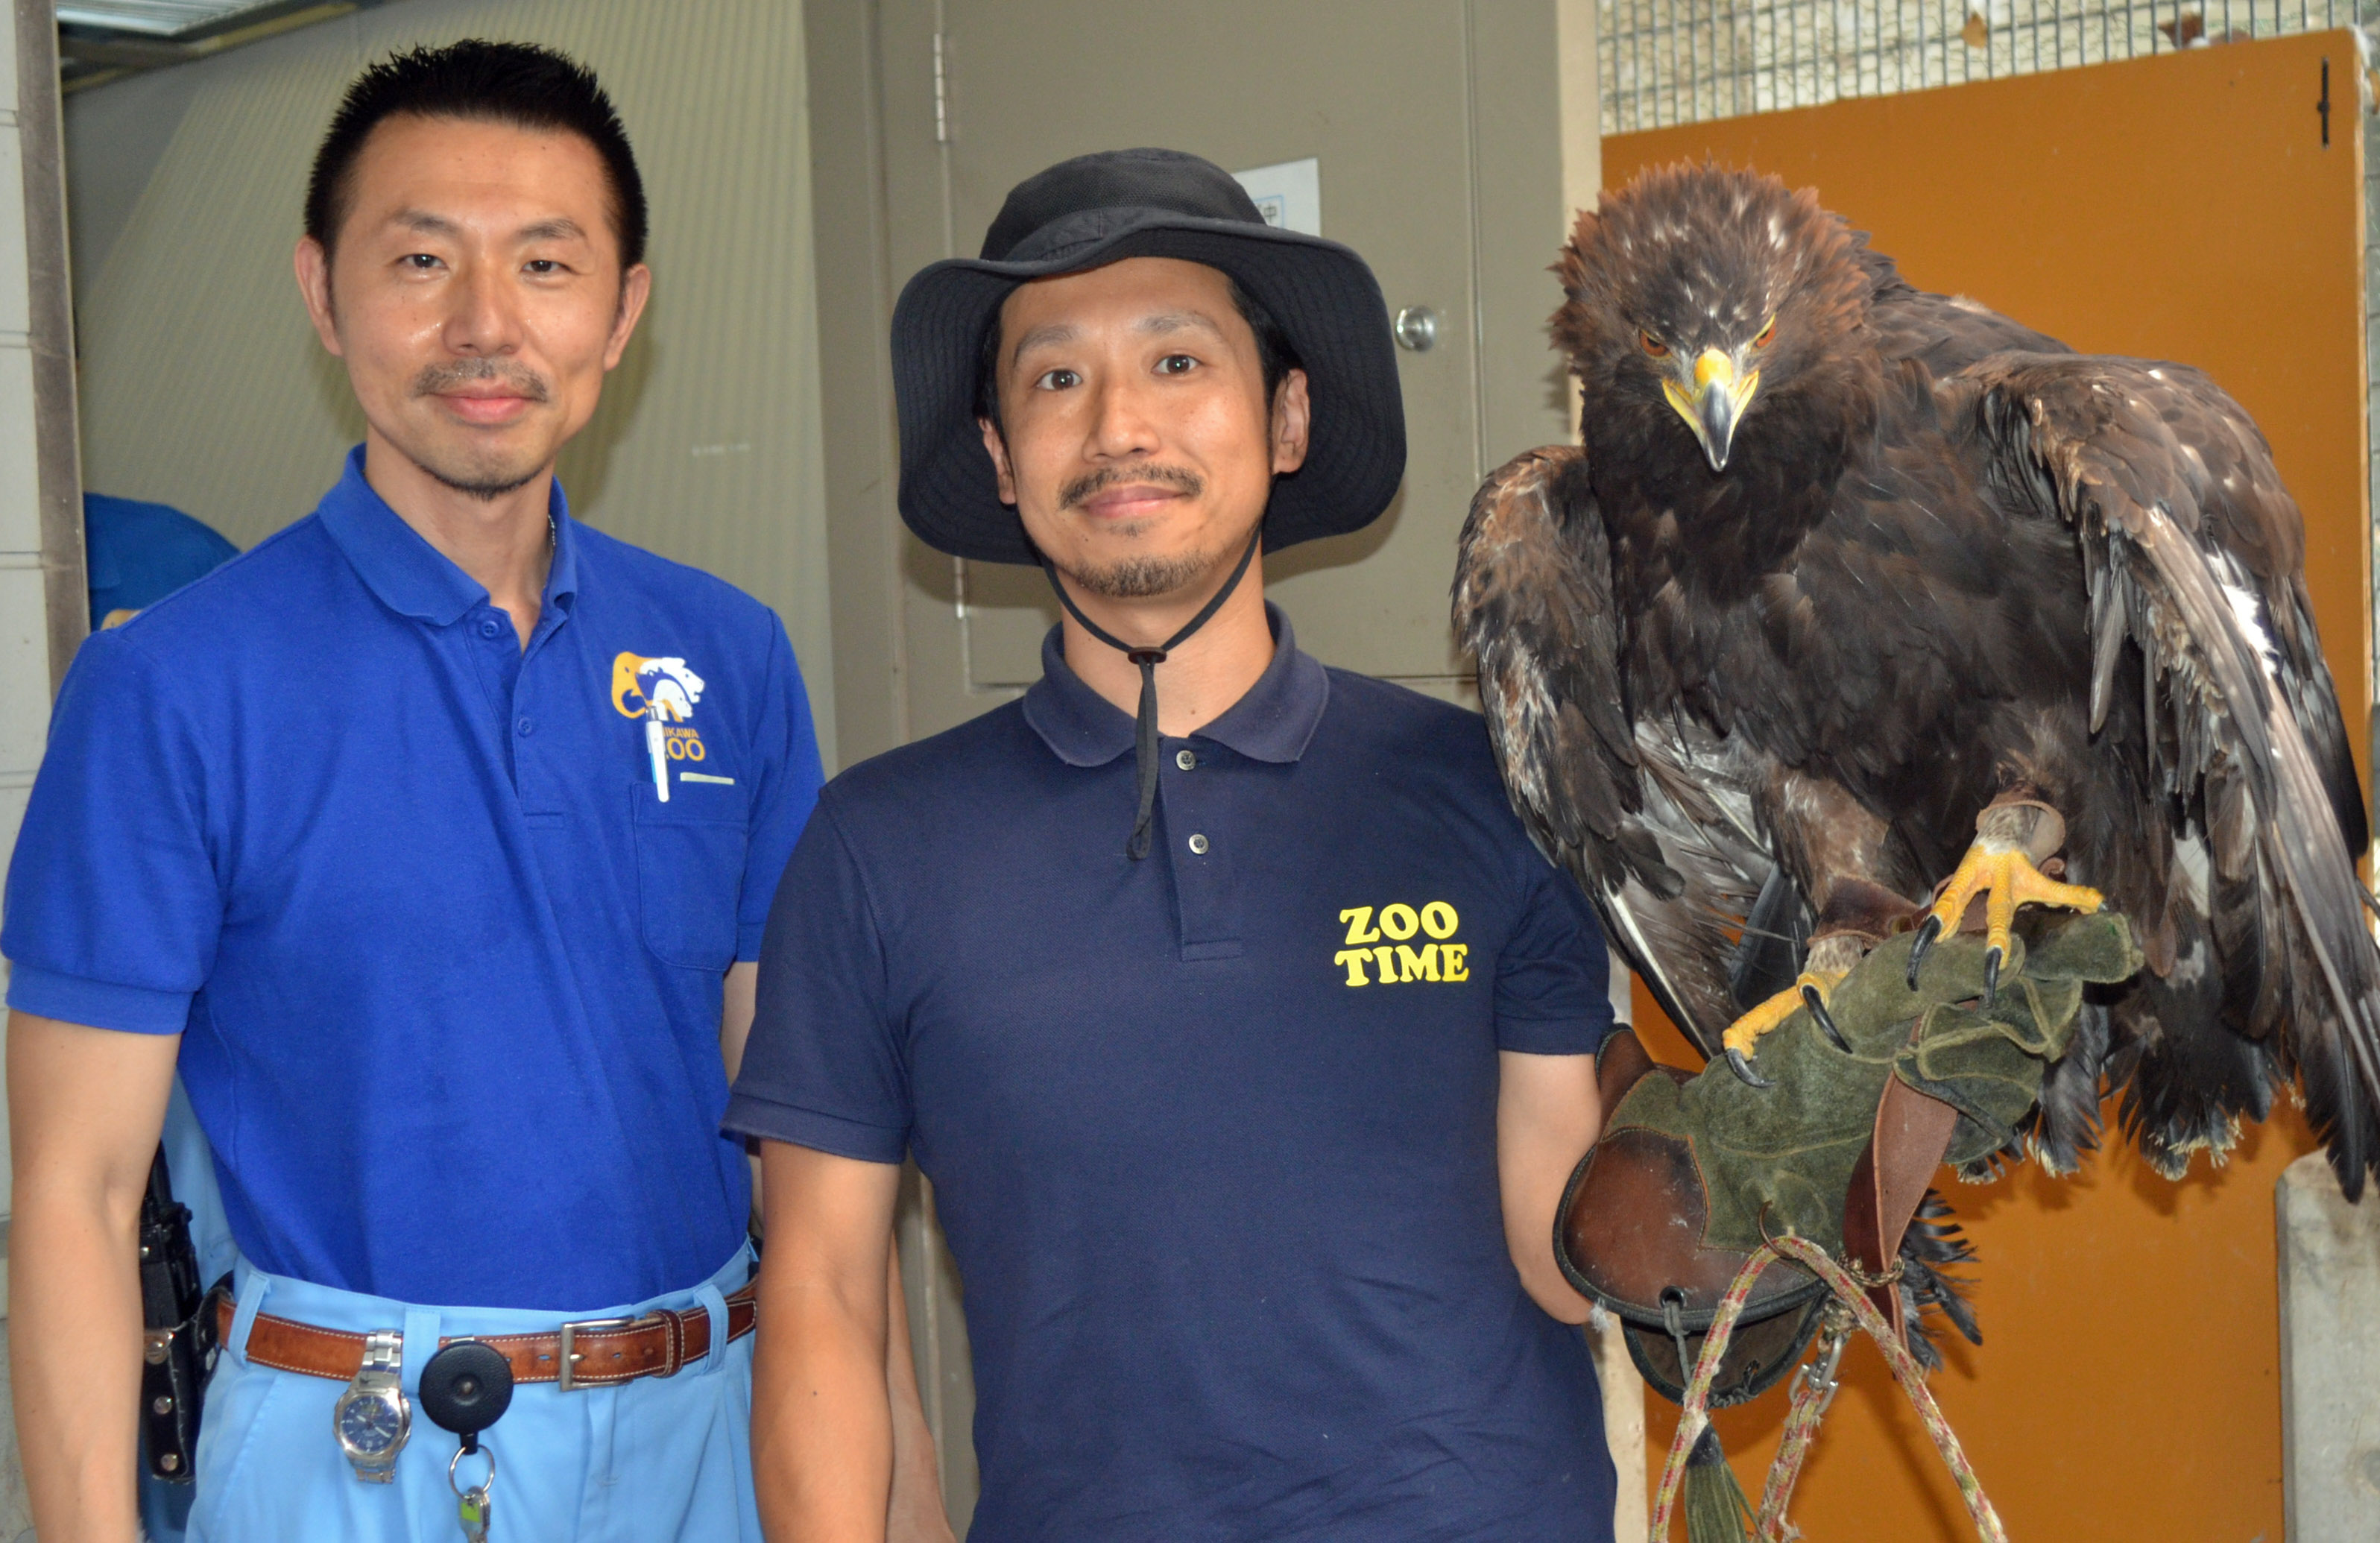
[[1667, 62]]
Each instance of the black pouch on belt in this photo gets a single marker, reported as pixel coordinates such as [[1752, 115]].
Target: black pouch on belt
[[180, 1348]]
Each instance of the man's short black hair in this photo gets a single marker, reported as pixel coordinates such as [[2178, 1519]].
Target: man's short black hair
[[1276, 355], [514, 83]]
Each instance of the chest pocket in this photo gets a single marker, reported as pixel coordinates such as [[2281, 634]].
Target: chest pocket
[[690, 855]]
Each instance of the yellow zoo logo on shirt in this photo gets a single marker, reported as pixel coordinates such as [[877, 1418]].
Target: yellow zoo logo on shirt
[[663, 691], [1377, 952]]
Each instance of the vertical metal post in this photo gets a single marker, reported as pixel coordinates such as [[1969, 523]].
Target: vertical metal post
[[50, 333]]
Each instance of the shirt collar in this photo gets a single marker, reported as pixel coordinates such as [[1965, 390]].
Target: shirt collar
[[411, 577], [1274, 721]]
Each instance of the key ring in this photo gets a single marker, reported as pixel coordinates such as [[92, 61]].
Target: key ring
[[484, 1486]]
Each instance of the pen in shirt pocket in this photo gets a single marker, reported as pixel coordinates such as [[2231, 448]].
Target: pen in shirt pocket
[[656, 746]]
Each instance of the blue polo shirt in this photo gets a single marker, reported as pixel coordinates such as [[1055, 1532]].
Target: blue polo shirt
[[135, 553], [451, 967], [1213, 1134]]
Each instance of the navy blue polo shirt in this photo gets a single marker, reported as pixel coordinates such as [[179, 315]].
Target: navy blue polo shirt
[[1213, 1134], [451, 967]]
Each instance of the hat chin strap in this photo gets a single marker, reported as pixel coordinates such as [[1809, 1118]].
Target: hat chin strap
[[1144, 735]]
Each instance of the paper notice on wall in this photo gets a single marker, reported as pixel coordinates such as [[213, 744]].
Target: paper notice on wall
[[1289, 195]]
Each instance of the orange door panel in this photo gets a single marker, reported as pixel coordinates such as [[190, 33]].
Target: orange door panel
[[2183, 207]]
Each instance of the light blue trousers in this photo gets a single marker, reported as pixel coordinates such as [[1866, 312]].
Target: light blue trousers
[[658, 1459]]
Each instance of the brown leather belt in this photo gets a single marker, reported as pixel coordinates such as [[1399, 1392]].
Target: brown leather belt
[[592, 1353]]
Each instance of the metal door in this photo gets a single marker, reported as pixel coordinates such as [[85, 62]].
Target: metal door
[[1437, 127]]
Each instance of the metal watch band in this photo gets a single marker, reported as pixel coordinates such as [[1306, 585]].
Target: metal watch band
[[378, 1377], [383, 1353]]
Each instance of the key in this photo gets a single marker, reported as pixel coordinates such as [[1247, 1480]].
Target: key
[[474, 1508], [465, 1389]]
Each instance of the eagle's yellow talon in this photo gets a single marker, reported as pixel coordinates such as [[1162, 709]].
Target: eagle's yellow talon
[[2000, 870], [1742, 1038], [2010, 879]]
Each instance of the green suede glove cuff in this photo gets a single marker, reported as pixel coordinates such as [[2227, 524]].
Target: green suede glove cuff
[[1783, 1155]]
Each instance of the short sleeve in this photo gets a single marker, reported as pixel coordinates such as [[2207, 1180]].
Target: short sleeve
[[824, 1066], [786, 741], [1553, 977], [113, 903]]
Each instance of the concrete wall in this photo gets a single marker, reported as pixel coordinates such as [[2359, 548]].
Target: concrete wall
[[2330, 1356], [204, 387]]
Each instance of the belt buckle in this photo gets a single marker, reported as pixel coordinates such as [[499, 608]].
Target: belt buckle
[[567, 1354]]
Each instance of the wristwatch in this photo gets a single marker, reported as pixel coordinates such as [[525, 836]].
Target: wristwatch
[[372, 1419]]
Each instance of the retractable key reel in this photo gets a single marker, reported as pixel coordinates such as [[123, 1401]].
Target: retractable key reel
[[465, 1388]]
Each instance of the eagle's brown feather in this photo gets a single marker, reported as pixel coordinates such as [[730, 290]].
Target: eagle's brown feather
[[1948, 558]]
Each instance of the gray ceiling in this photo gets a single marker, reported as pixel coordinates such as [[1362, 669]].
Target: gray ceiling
[[155, 18], [101, 40]]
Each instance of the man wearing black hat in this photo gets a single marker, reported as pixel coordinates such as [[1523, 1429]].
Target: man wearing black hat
[[1243, 1033]]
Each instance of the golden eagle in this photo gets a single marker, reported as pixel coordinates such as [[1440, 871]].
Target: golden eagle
[[1853, 587]]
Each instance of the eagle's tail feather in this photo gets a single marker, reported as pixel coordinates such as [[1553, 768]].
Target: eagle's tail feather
[[1933, 1242], [2066, 1125]]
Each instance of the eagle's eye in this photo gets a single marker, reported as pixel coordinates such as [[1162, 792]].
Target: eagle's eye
[[1652, 345], [1768, 335]]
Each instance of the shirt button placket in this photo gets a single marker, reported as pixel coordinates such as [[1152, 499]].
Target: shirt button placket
[[1198, 807]]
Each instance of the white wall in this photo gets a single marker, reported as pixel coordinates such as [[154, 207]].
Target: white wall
[[204, 387]]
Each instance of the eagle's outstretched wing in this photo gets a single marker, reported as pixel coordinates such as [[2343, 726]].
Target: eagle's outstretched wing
[[1655, 819], [2193, 552]]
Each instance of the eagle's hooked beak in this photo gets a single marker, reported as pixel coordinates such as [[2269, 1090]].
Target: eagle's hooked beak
[[1715, 404]]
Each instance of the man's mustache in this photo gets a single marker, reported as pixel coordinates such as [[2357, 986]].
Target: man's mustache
[[437, 379], [1089, 486]]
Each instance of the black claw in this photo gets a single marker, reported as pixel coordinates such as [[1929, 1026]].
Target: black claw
[[1825, 1020], [1918, 950], [1743, 1068], [1991, 975]]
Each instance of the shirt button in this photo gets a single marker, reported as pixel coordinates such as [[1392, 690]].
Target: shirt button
[[490, 627], [1186, 760], [528, 727], [1197, 843]]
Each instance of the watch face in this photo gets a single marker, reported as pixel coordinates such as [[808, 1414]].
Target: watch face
[[370, 1424]]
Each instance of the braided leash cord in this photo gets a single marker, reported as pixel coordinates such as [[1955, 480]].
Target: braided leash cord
[[1694, 1415], [1812, 1395]]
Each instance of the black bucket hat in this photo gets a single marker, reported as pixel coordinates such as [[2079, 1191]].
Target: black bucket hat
[[1099, 209]]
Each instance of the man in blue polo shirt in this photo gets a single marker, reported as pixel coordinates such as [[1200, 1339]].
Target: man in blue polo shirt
[[1243, 1034], [448, 827]]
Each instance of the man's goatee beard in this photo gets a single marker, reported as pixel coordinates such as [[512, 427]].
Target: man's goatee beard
[[1139, 578], [486, 487], [484, 483], [1144, 577]]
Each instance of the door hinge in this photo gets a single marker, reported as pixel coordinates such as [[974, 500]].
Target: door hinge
[[941, 97]]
